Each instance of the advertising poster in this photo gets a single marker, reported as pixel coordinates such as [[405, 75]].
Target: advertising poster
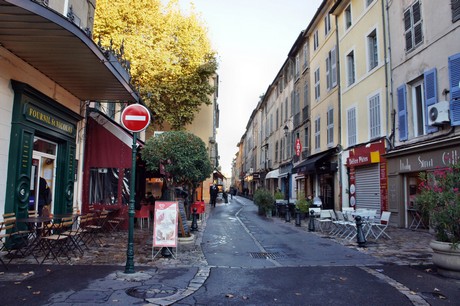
[[165, 224]]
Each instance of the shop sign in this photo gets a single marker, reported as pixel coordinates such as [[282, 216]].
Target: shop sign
[[44, 118], [298, 147], [366, 155], [429, 160]]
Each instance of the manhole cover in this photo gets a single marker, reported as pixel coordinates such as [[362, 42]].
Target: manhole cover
[[263, 255], [151, 292]]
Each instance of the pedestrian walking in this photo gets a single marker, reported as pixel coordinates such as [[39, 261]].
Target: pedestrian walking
[[213, 194]]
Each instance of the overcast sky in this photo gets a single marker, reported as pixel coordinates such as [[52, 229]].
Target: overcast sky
[[252, 39]]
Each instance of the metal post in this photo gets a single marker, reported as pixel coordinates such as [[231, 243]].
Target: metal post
[[129, 268], [194, 221], [297, 217], [361, 239], [311, 223]]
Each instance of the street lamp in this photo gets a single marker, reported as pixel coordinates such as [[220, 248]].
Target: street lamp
[[288, 216]]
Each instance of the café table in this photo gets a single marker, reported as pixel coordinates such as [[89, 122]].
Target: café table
[[417, 220], [36, 227]]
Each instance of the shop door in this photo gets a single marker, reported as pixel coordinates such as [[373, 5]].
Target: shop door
[[43, 172], [368, 187]]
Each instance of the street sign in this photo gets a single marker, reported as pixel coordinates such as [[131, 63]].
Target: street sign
[[135, 118], [298, 147]]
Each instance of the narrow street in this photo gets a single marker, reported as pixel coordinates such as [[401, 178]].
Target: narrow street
[[256, 260]]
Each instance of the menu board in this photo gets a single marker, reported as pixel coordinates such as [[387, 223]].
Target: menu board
[[165, 224]]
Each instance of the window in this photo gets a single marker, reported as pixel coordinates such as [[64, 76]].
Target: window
[[286, 110], [315, 40], [331, 69], [297, 66], [276, 151], [317, 84], [305, 55], [372, 49], [351, 126], [327, 24], [351, 68], [281, 114], [306, 139], [111, 110], [348, 17], [306, 104], [455, 5], [277, 118], [413, 26], [369, 2], [374, 116], [317, 133], [330, 127], [103, 186], [271, 123]]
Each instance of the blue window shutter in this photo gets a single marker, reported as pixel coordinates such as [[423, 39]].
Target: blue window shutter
[[454, 80], [431, 95], [402, 113]]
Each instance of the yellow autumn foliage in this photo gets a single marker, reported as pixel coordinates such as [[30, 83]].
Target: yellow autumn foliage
[[170, 54]]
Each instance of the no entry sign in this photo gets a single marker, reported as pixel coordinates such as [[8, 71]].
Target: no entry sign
[[135, 118]]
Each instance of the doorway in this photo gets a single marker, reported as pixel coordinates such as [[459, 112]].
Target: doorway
[[42, 174]]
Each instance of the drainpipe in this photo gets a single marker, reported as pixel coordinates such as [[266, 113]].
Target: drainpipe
[[388, 66], [339, 89]]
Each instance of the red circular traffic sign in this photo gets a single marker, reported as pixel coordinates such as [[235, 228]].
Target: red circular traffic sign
[[135, 118]]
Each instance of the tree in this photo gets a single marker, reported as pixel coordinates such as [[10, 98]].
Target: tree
[[171, 60], [183, 155]]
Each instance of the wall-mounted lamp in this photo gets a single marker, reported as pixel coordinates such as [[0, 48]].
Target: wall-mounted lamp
[[286, 130]]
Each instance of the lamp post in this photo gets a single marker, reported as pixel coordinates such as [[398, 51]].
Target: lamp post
[[288, 213]]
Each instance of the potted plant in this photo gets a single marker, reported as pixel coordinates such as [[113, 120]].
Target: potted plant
[[265, 201], [303, 205], [279, 197], [439, 201]]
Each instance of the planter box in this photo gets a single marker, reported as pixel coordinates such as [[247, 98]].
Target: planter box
[[446, 259]]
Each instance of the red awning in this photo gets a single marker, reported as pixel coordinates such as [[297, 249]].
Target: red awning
[[108, 144]]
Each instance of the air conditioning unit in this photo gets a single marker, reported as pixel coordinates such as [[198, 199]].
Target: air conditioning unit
[[438, 113]]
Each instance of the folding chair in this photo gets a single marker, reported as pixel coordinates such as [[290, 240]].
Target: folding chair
[[115, 223], [75, 234], [324, 219], [93, 230], [381, 225], [143, 214], [57, 243], [3, 236]]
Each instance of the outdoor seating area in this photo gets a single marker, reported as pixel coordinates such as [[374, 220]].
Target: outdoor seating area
[[342, 224], [53, 238]]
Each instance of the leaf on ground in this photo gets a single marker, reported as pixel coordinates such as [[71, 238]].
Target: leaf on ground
[[245, 297], [230, 296], [36, 292], [298, 293], [29, 287], [428, 270], [343, 278], [436, 290], [413, 292]]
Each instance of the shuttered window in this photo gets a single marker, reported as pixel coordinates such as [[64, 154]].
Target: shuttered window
[[413, 26]]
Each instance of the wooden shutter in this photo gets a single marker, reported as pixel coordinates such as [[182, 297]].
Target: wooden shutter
[[431, 95], [454, 80], [402, 113]]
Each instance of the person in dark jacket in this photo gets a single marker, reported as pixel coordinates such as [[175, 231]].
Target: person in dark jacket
[[213, 191]]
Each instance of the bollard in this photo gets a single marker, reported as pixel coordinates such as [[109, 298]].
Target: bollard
[[194, 220], [297, 217], [311, 224], [288, 214], [361, 239]]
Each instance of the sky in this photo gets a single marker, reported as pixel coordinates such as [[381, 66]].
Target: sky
[[252, 39]]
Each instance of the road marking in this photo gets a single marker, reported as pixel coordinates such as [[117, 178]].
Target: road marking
[[416, 299]]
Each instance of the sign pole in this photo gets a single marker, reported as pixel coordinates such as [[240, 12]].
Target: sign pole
[[129, 268]]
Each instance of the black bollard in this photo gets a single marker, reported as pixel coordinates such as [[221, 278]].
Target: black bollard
[[288, 214], [311, 223], [194, 220], [297, 217], [361, 239]]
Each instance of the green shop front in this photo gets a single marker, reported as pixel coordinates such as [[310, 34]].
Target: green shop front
[[42, 153]]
